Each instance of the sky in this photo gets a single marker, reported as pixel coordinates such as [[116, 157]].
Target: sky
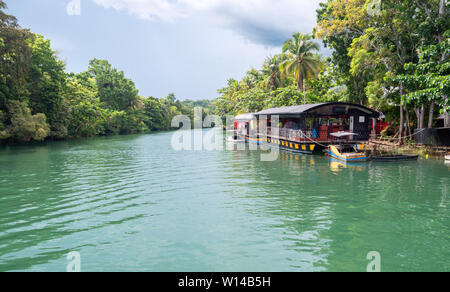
[[187, 47]]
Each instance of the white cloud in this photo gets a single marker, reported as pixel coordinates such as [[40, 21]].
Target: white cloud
[[147, 9], [262, 21]]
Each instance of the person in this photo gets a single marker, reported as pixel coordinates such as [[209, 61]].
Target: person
[[314, 134]]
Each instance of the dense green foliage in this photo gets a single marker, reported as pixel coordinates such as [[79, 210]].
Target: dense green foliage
[[387, 54], [39, 100]]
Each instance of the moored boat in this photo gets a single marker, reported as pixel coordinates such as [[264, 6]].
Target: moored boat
[[334, 152], [254, 140], [391, 158], [291, 146]]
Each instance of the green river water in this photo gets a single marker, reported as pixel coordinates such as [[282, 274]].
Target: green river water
[[131, 203]]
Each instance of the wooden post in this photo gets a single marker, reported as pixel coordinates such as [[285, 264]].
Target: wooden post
[[446, 120], [374, 128]]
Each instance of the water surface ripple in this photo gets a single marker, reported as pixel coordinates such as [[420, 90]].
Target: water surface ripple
[[131, 203]]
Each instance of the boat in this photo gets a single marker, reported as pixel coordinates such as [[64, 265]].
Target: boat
[[231, 139], [447, 157], [391, 158], [291, 146], [337, 152], [254, 140], [346, 153]]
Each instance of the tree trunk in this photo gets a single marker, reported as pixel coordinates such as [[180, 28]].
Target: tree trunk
[[417, 112], [422, 117], [431, 116], [440, 35], [446, 120], [446, 115], [355, 83], [408, 124], [300, 81], [400, 136]]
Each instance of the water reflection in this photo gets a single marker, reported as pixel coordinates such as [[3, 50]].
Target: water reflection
[[337, 165], [338, 219], [132, 203], [55, 191]]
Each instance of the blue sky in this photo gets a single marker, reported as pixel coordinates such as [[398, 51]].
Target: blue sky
[[188, 47]]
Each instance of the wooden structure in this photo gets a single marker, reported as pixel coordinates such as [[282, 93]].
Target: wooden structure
[[310, 127]]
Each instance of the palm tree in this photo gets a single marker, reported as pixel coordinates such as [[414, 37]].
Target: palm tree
[[302, 60], [271, 69]]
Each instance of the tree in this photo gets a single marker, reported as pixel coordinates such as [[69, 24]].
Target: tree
[[116, 91], [301, 59], [153, 110], [87, 115], [15, 59], [46, 85], [339, 22], [252, 78], [428, 81], [374, 45], [423, 72], [25, 126], [271, 70]]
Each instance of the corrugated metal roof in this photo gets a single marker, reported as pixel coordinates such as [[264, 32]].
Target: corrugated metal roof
[[298, 109], [305, 108]]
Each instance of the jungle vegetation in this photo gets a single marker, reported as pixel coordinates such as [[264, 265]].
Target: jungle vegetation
[[390, 55], [39, 100]]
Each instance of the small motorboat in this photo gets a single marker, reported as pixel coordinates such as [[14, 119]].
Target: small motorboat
[[391, 158], [447, 158], [346, 153], [231, 139], [352, 156]]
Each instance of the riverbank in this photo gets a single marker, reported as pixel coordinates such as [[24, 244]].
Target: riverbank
[[410, 148], [12, 143]]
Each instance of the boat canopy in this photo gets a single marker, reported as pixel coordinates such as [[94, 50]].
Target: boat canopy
[[245, 117], [320, 109], [343, 134]]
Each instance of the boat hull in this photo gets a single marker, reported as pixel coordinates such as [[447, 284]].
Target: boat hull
[[347, 157], [394, 158], [291, 146], [283, 144], [254, 140]]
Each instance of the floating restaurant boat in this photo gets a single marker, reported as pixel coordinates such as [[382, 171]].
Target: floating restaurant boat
[[241, 127], [308, 128]]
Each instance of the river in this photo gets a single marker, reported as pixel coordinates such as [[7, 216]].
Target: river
[[132, 203]]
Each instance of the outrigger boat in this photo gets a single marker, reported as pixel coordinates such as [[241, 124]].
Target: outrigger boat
[[346, 154], [392, 158]]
